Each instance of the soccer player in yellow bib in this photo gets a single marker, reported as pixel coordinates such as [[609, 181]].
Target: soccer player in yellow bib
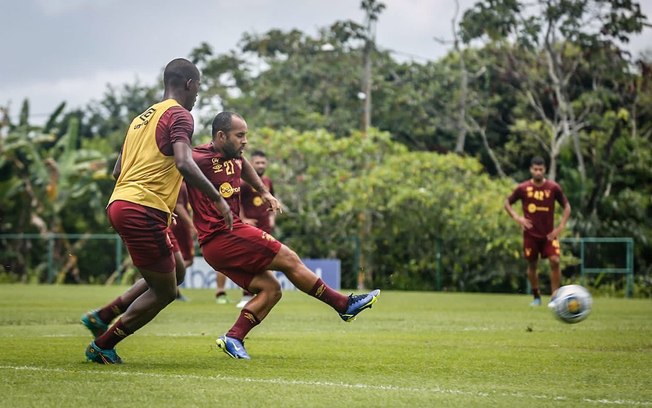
[[156, 154]]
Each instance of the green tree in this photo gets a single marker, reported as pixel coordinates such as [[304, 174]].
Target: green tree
[[551, 39], [42, 177], [417, 201]]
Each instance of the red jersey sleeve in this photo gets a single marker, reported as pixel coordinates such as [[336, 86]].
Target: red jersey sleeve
[[516, 195], [560, 196], [175, 126]]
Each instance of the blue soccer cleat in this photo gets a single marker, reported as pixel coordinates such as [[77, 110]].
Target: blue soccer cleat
[[93, 323], [101, 356], [358, 303], [233, 347]]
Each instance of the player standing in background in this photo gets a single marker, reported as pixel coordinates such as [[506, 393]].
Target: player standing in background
[[247, 254], [184, 231], [155, 155], [252, 212], [540, 236]]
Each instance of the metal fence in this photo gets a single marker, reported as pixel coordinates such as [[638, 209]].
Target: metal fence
[[50, 246], [595, 259]]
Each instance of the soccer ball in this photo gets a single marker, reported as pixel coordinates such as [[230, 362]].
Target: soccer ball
[[571, 304]]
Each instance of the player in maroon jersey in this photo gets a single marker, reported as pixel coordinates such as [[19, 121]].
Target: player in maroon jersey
[[540, 236], [248, 254], [156, 154], [253, 211], [184, 231]]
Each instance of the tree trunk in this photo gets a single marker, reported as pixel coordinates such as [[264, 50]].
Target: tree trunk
[[366, 87], [464, 87]]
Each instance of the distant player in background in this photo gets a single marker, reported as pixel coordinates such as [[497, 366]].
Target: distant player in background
[[155, 155], [184, 231], [540, 236], [248, 254], [253, 211]]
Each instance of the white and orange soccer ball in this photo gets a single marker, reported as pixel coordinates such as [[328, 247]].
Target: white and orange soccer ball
[[571, 304]]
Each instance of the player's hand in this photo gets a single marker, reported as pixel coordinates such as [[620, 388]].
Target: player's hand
[[225, 211], [554, 234], [274, 204], [174, 219], [525, 223]]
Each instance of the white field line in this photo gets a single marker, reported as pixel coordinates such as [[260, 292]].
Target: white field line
[[326, 384]]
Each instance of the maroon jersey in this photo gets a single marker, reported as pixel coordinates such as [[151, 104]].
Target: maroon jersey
[[253, 205], [224, 174], [539, 205]]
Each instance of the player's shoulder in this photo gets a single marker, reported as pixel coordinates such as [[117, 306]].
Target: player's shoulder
[[178, 112], [524, 184], [552, 184], [174, 114], [204, 149]]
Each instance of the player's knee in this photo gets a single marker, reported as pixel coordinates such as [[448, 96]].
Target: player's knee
[[169, 296], [275, 294], [165, 294], [272, 290]]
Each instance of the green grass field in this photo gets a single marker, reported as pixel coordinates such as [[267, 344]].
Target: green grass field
[[412, 349]]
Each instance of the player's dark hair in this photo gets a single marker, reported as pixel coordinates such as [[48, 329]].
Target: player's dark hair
[[223, 122], [258, 153], [178, 72], [537, 161]]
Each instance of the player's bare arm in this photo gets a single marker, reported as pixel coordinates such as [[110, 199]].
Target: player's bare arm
[[250, 176], [522, 221], [184, 215], [118, 167], [554, 234], [193, 175]]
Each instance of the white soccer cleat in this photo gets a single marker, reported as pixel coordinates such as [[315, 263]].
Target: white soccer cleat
[[243, 302]]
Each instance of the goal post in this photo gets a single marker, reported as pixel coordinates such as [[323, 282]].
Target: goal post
[[594, 259]]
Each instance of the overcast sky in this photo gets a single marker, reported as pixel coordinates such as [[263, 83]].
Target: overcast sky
[[69, 50]]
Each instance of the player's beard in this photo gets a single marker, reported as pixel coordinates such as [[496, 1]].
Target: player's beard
[[232, 152]]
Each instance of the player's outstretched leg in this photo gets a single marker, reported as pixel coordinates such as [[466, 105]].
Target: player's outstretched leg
[[288, 262], [233, 347], [358, 303], [102, 356]]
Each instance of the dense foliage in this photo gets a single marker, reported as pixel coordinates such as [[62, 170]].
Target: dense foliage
[[449, 139]]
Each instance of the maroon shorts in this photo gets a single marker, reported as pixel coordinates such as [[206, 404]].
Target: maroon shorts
[[241, 254], [533, 247], [173, 240], [183, 238], [144, 231]]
